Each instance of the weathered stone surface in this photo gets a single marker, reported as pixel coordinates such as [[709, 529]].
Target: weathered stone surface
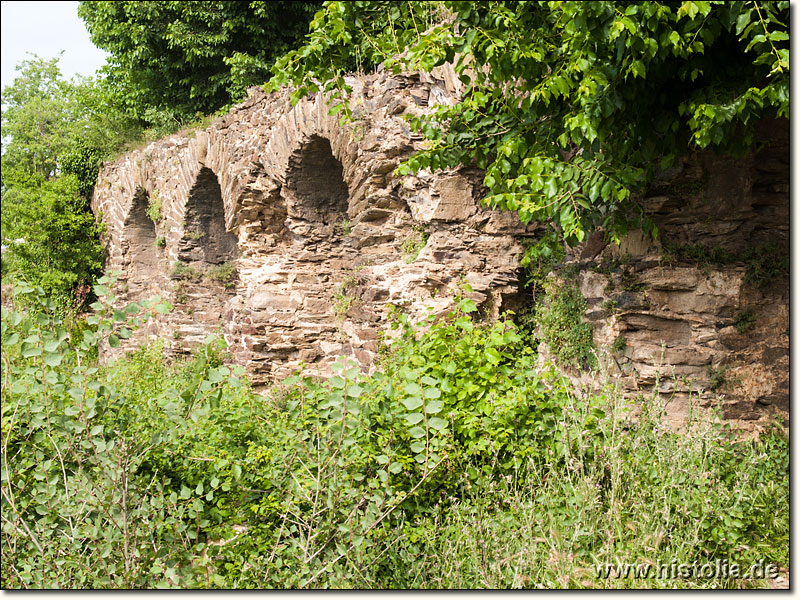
[[320, 237], [677, 319], [320, 233]]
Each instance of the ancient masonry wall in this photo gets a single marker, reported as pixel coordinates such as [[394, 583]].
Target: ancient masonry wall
[[288, 233], [709, 325]]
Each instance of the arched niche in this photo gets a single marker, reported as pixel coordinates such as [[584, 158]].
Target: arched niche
[[205, 237], [141, 241], [315, 189]]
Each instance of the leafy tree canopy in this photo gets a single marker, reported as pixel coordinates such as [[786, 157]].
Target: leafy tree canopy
[[189, 57], [55, 132], [48, 121], [571, 107]]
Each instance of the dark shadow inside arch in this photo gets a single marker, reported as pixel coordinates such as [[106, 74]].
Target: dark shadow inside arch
[[205, 237], [140, 234], [315, 183]]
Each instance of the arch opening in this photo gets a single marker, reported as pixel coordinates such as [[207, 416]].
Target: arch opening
[[315, 184], [140, 237], [205, 237]]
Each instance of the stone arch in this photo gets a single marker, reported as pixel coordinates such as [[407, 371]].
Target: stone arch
[[314, 188], [205, 236], [140, 243]]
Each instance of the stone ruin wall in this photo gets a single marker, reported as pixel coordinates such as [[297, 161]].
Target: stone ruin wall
[[677, 318], [323, 235], [322, 238]]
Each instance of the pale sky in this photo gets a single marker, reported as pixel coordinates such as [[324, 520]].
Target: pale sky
[[46, 28]]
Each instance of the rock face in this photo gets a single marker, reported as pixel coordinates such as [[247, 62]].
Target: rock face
[[704, 310], [289, 233]]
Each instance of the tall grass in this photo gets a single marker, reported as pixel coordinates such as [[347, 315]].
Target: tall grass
[[634, 493]]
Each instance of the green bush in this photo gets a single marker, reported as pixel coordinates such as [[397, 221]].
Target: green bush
[[53, 239], [564, 329], [455, 464]]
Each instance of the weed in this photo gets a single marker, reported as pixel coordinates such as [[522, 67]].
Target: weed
[[358, 130], [764, 264], [607, 266], [199, 123], [344, 297], [630, 282], [609, 306], [195, 235], [161, 242], [181, 293], [564, 329], [745, 321], [413, 244], [181, 270], [344, 227], [717, 377], [154, 207], [684, 189], [619, 345], [536, 268], [224, 274]]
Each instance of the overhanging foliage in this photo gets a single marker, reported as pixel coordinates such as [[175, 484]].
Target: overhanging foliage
[[571, 107]]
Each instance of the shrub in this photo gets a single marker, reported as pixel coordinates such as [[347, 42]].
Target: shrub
[[154, 207], [564, 329], [224, 273]]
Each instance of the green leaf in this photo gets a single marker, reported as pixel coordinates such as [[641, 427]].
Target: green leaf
[[437, 423], [163, 308], [412, 403], [414, 418], [413, 389], [416, 432], [354, 391], [51, 359], [432, 393], [433, 407]]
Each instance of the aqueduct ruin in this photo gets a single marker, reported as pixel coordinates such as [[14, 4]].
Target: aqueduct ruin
[[317, 236], [288, 232]]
